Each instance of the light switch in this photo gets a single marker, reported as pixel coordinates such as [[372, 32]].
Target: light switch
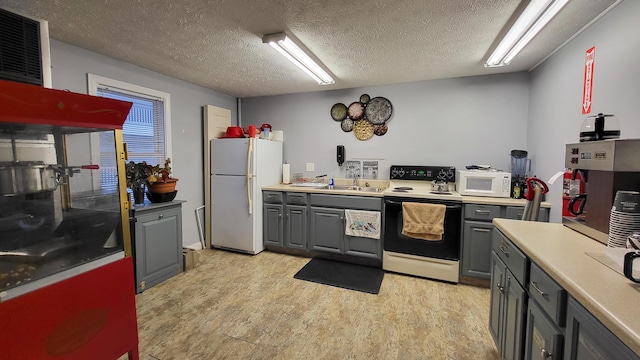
[[311, 167]]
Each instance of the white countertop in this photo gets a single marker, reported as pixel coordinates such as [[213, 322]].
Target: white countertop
[[560, 252], [420, 190]]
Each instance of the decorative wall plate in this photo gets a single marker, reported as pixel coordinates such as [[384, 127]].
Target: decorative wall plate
[[347, 125], [362, 129], [380, 130], [378, 110], [364, 98], [339, 112], [356, 110]]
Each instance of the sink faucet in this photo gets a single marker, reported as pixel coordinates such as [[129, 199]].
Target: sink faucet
[[355, 178]]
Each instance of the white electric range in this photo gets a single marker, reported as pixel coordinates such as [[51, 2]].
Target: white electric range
[[426, 258]]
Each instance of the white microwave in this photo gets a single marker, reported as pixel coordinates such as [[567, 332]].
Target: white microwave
[[483, 183]]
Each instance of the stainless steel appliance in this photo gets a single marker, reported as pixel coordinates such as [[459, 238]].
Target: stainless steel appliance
[[431, 259], [56, 218], [239, 169], [607, 166]]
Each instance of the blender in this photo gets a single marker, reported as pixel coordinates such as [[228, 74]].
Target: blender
[[519, 162]]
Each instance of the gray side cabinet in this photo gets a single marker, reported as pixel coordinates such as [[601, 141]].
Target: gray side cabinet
[[158, 243]]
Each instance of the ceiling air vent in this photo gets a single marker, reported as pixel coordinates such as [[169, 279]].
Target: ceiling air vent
[[24, 49]]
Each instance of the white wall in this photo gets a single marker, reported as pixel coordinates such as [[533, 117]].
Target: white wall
[[556, 91], [463, 121], [70, 66]]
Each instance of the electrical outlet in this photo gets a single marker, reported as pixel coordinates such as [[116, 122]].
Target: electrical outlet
[[311, 167]]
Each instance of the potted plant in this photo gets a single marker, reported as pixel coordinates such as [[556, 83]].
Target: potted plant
[[160, 180], [137, 178]]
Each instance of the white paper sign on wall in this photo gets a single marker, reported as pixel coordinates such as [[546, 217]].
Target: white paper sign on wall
[[587, 87]]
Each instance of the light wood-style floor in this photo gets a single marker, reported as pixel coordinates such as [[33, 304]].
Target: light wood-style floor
[[236, 306]]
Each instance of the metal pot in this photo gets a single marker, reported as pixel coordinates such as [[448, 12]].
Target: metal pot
[[16, 179], [439, 186]]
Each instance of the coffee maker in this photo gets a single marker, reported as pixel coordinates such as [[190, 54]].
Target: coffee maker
[[606, 166]]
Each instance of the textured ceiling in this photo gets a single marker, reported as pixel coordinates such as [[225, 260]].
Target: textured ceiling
[[218, 44]]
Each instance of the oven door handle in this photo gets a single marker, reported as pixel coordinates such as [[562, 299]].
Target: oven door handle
[[391, 202]]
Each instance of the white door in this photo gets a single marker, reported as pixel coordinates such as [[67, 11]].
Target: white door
[[231, 223]]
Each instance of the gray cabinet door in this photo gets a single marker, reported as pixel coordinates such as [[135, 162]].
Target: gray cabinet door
[[496, 317], [588, 339], [296, 227], [327, 230], [158, 246], [476, 249], [514, 316], [272, 225], [544, 340]]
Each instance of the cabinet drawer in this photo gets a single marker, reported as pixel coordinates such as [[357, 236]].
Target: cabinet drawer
[[515, 260], [551, 297], [346, 202], [272, 197], [515, 212], [481, 212], [296, 198]]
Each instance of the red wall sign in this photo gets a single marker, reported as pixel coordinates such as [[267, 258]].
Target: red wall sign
[[587, 88]]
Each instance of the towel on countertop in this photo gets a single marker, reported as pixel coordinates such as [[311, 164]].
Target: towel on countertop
[[362, 223], [423, 221]]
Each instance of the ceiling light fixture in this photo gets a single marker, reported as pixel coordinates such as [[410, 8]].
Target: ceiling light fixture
[[290, 50], [534, 17]]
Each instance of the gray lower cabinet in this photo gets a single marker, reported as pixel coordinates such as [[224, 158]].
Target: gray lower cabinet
[[295, 219], [477, 246], [476, 238], [157, 244], [554, 327], [544, 339], [316, 222], [327, 230], [588, 339], [508, 300], [273, 233]]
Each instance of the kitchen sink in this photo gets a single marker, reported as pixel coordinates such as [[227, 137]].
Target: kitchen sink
[[358, 188]]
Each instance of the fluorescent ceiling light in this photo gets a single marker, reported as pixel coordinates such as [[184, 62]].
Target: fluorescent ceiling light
[[534, 17], [285, 46]]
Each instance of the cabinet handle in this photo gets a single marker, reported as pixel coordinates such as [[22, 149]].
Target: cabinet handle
[[545, 354], [535, 286], [504, 250], [500, 288], [280, 215], [481, 230], [160, 216], [478, 211], [271, 197]]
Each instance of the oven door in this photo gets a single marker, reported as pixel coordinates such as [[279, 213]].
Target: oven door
[[448, 248]]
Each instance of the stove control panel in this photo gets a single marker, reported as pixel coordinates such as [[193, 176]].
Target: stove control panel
[[426, 173]]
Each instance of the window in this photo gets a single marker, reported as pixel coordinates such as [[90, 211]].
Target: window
[[146, 130]]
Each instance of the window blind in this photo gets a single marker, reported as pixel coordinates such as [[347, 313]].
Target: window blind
[[143, 132]]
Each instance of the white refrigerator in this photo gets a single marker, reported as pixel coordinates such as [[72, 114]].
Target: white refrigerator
[[239, 170]]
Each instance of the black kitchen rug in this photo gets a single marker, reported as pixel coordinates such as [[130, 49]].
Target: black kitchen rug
[[341, 274]]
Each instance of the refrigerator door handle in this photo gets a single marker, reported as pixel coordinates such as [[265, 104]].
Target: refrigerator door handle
[[249, 174]]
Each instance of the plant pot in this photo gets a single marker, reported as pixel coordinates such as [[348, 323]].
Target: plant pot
[[160, 187]]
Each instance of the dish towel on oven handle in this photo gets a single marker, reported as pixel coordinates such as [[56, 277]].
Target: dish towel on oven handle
[[423, 221], [362, 223]]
